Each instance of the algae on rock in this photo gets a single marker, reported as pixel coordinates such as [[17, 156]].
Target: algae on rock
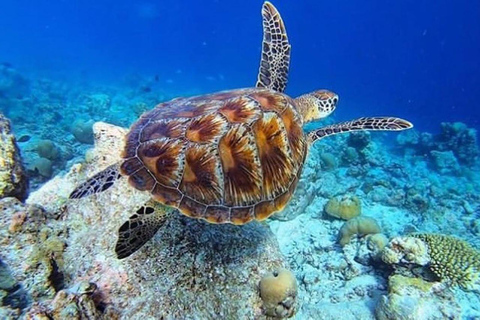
[[13, 180], [32, 247]]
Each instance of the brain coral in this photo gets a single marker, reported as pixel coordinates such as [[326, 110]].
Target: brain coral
[[278, 291], [346, 207], [453, 260], [357, 226]]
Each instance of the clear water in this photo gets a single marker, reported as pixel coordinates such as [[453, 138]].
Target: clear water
[[417, 59], [61, 61]]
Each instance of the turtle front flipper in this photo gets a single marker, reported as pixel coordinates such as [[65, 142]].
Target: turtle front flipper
[[140, 228], [366, 123], [98, 183], [275, 60]]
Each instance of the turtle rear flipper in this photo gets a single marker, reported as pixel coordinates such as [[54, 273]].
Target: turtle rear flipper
[[139, 228], [361, 124], [98, 183], [275, 60]]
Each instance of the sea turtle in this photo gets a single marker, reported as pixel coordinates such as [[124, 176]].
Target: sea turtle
[[228, 157]]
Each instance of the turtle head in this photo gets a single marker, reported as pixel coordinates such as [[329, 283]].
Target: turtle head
[[316, 105]]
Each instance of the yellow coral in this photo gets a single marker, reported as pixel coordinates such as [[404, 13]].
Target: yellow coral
[[376, 242], [358, 225], [278, 291], [345, 208], [453, 260]]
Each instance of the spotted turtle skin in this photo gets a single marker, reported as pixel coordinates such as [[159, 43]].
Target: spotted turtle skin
[[228, 157]]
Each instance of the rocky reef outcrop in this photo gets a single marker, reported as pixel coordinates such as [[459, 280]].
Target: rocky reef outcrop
[[191, 269], [455, 143], [13, 180]]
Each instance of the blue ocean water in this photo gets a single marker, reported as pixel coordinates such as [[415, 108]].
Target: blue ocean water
[[416, 59]]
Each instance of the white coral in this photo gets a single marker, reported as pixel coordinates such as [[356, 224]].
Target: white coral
[[406, 250]]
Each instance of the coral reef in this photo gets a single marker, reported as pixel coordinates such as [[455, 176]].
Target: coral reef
[[12, 295], [416, 200], [445, 162], [47, 149], [82, 131], [359, 140], [425, 182], [460, 139], [95, 103], [13, 180], [328, 160], [332, 283], [455, 145], [76, 303], [357, 226], [278, 291], [406, 250], [41, 166], [376, 243], [453, 260], [350, 156], [32, 247], [345, 207], [414, 298]]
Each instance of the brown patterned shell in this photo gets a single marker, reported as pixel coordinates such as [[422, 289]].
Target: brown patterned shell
[[232, 156]]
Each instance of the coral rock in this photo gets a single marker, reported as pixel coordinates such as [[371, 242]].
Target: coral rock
[[346, 207], [453, 260], [82, 131], [376, 242], [41, 166], [34, 252], [328, 160], [445, 162], [47, 149], [186, 271], [279, 292], [414, 298], [359, 140], [406, 250], [357, 226], [13, 180], [460, 139]]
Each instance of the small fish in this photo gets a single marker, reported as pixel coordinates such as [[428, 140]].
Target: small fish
[[157, 77], [24, 138], [6, 64], [146, 89]]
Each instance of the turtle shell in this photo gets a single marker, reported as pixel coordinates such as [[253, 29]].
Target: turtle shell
[[228, 157]]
